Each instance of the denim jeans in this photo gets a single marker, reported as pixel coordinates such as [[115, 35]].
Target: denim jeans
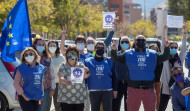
[[44, 104], [122, 92]]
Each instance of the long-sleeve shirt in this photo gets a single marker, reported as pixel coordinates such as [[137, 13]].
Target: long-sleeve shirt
[[178, 100], [18, 81], [108, 39], [120, 58], [166, 73]]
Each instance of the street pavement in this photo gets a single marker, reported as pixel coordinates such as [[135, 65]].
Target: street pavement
[[169, 107]]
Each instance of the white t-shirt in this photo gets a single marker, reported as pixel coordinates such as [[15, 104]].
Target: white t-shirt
[[56, 63]]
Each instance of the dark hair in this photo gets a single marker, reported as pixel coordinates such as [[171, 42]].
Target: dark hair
[[80, 38], [173, 43], [37, 57], [72, 48], [99, 43], [153, 45], [176, 68], [45, 52], [57, 52]]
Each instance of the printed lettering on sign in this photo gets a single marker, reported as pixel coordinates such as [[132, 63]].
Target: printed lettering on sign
[[77, 75]]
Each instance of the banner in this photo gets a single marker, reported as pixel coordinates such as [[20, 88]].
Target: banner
[[16, 34], [77, 75], [174, 21], [108, 19]]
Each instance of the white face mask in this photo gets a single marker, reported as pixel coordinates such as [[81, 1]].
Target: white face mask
[[80, 46], [52, 49], [90, 47], [29, 59], [40, 48]]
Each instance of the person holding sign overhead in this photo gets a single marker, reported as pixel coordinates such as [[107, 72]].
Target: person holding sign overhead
[[141, 63], [72, 89], [176, 59]]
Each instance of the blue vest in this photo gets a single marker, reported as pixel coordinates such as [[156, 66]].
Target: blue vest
[[141, 65], [187, 101], [32, 77], [188, 58], [84, 56], [100, 74]]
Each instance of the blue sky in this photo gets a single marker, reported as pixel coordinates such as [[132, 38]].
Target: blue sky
[[149, 4]]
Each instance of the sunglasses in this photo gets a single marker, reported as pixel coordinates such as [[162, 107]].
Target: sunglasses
[[127, 42], [72, 56], [140, 40], [30, 54], [173, 47], [179, 74], [98, 48]]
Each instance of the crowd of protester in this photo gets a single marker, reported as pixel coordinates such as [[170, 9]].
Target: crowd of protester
[[139, 74]]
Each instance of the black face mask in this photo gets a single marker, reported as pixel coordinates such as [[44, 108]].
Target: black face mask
[[100, 52], [140, 44]]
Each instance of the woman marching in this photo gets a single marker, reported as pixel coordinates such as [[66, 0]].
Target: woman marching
[[40, 46], [71, 95], [28, 80]]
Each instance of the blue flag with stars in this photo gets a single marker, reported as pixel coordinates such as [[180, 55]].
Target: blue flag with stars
[[16, 34]]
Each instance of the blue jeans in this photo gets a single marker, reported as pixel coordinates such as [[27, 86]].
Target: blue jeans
[[43, 106]]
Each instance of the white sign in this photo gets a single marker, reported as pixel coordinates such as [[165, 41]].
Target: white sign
[[174, 21], [108, 19], [77, 75]]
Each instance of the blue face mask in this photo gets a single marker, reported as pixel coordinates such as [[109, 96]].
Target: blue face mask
[[178, 78], [40, 48], [124, 46], [173, 51]]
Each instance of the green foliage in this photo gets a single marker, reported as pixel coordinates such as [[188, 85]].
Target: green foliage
[[147, 28], [180, 7], [76, 16], [50, 15], [5, 8]]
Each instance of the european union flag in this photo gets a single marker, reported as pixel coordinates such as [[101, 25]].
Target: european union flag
[[16, 34]]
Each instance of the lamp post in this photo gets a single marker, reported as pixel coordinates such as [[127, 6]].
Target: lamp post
[[144, 10]]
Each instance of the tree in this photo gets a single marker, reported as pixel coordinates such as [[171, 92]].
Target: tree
[[76, 16], [5, 8], [147, 28], [188, 26], [180, 7], [123, 30]]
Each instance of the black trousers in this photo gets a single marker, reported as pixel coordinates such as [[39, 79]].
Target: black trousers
[[72, 107], [31, 105], [122, 92], [98, 97], [164, 99]]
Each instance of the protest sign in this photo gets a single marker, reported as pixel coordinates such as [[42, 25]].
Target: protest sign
[[108, 19], [77, 75], [174, 21]]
